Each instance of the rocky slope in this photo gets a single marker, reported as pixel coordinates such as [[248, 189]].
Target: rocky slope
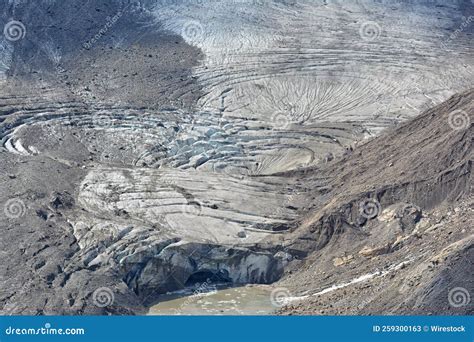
[[397, 222]]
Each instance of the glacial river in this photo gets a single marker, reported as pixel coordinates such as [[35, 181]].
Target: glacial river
[[245, 300]]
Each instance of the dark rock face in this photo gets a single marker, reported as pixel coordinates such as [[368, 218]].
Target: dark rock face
[[61, 201], [409, 216], [451, 282]]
